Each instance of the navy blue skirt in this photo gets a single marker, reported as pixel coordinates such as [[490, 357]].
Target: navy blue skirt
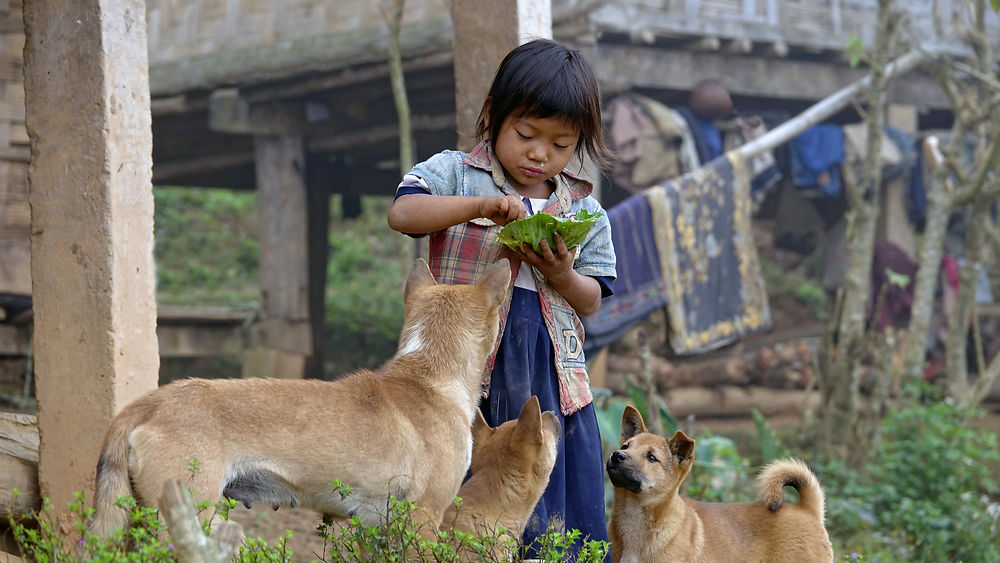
[[525, 366]]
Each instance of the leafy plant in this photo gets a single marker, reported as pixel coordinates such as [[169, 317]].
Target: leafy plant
[[926, 494], [543, 227], [768, 442], [398, 538]]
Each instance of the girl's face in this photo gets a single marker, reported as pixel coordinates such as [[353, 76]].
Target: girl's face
[[534, 149]]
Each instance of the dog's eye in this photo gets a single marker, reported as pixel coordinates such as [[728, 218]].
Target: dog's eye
[[624, 446], [651, 458]]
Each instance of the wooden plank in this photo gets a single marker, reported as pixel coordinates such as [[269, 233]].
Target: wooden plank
[[280, 334], [200, 315], [15, 340], [18, 463], [199, 341]]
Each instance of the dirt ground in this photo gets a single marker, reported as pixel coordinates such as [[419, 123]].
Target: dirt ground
[[270, 525]]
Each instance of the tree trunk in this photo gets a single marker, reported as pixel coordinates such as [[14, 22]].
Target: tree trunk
[[840, 385]]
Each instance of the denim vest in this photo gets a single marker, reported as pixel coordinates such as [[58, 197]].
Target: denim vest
[[462, 252]]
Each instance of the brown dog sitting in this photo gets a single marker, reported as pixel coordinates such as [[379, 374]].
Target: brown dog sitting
[[650, 521], [510, 470]]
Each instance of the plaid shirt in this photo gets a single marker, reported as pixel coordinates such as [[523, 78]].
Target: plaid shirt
[[460, 254]]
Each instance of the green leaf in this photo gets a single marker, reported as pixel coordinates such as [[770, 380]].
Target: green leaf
[[899, 280], [995, 4], [854, 49], [542, 227], [770, 445]]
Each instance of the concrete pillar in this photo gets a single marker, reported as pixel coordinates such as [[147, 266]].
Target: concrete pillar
[[483, 32], [90, 191], [282, 339]]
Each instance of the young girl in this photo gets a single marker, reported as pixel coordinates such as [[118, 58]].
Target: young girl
[[543, 107]]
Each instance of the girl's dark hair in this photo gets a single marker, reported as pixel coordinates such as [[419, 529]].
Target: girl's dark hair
[[543, 79]]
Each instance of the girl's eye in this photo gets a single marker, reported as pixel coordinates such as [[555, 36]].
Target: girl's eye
[[558, 146], [651, 458], [522, 135]]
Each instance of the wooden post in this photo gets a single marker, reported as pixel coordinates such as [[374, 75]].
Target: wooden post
[[90, 190], [282, 339], [318, 211], [483, 32]]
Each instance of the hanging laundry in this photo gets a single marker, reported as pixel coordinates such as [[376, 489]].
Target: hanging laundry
[[639, 287], [816, 156], [701, 224]]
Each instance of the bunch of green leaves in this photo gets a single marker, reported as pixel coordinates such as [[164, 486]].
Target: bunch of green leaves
[[543, 227], [142, 540], [398, 538]]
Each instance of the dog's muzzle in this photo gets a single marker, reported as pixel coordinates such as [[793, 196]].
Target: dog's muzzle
[[620, 474]]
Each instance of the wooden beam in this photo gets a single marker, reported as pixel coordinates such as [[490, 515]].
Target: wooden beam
[[343, 78], [756, 75], [378, 134], [230, 112], [282, 339]]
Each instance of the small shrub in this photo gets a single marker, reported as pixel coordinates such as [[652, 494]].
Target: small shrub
[[926, 494], [396, 539]]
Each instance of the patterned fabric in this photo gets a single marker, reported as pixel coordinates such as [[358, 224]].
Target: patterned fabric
[[708, 260], [640, 288], [459, 254]]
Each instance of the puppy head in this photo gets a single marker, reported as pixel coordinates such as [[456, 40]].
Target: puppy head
[[523, 446], [453, 314], [647, 463]]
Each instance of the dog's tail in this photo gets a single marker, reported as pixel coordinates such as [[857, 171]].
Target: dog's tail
[[792, 472], [113, 480]]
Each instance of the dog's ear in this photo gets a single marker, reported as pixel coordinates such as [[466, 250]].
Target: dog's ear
[[495, 280], [632, 424], [681, 446], [420, 277], [481, 430], [529, 422]]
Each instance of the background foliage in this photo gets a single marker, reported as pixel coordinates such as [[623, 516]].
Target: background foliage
[[207, 254]]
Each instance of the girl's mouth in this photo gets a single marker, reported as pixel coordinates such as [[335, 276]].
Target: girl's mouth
[[531, 172]]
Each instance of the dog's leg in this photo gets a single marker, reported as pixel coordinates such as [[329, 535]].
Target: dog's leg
[[151, 466]]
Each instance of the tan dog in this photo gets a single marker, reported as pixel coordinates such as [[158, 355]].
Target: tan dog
[[651, 522], [510, 470], [403, 430]]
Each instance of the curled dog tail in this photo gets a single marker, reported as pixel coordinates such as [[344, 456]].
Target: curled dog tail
[[794, 473], [113, 479]]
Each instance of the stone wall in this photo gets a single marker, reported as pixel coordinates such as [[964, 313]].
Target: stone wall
[[184, 29]]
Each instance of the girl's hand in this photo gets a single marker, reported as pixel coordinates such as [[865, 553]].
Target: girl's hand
[[555, 264], [502, 209], [583, 293]]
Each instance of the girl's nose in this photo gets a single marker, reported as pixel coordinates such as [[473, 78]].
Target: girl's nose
[[537, 155]]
